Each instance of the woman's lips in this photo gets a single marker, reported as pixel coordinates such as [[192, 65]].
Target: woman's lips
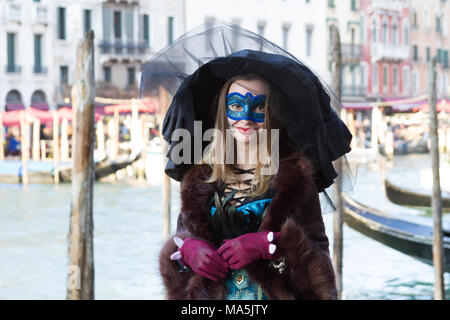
[[245, 131]]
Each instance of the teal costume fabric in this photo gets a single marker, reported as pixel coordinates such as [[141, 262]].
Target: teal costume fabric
[[240, 286]]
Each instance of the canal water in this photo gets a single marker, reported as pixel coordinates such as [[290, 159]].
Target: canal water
[[128, 235]]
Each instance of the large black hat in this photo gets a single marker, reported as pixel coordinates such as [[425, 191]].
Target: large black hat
[[194, 68]]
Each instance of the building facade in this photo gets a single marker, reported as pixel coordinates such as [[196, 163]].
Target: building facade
[[386, 48], [39, 40], [430, 37], [297, 26], [345, 15]]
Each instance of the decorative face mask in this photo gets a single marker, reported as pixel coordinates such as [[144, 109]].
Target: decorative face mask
[[248, 107]]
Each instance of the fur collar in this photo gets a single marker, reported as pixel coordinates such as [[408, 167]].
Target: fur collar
[[294, 183]]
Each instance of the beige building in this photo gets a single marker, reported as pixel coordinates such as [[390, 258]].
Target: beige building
[[346, 16], [430, 36], [39, 39]]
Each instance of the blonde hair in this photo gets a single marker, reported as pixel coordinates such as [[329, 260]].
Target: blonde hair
[[219, 149]]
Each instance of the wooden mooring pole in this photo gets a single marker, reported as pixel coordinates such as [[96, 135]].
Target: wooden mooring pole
[[55, 147], [80, 281], [338, 219], [164, 102], [36, 140], [24, 146], [2, 149], [436, 200]]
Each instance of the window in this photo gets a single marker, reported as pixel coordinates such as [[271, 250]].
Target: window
[[395, 78], [129, 27], [363, 28], [364, 75], [406, 34], [235, 34], [117, 25], [107, 23], [87, 20], [37, 53], [385, 78], [375, 79], [385, 31], [446, 65], [415, 82], [261, 28], [439, 56], [131, 76], [374, 29], [146, 26], [331, 3], [406, 80], [428, 54], [309, 31], [61, 23], [64, 74], [170, 22], [107, 73], [415, 53], [353, 5], [11, 44], [415, 20], [395, 39], [285, 36], [438, 23], [427, 20]]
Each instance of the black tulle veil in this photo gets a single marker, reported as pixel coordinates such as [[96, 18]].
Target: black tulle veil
[[195, 66]]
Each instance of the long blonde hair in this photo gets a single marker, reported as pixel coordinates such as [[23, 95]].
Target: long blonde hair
[[218, 149]]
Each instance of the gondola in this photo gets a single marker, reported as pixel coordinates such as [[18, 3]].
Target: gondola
[[405, 197], [42, 171], [103, 168], [413, 239]]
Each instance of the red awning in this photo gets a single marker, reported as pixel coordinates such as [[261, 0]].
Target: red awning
[[143, 106], [14, 106], [357, 105], [41, 106], [12, 118], [404, 107], [441, 105]]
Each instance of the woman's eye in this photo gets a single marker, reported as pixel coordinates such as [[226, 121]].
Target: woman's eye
[[259, 108], [235, 106]]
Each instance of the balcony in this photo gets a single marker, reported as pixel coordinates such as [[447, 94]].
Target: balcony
[[40, 70], [40, 14], [354, 91], [389, 52], [120, 47], [389, 5], [13, 69], [13, 12], [351, 53]]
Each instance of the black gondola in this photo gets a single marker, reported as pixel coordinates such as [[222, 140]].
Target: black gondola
[[413, 239], [405, 197]]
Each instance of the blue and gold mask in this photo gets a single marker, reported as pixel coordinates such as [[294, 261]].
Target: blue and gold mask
[[248, 107]]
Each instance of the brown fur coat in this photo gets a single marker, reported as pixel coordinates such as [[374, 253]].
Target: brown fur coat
[[295, 211]]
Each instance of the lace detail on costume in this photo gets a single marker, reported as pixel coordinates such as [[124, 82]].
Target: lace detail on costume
[[243, 192], [230, 215]]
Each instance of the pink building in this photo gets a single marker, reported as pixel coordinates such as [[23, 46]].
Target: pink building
[[386, 49]]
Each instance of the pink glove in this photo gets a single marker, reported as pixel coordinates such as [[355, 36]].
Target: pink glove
[[243, 250], [201, 257]]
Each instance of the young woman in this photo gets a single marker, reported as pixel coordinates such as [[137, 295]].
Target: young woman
[[245, 232]]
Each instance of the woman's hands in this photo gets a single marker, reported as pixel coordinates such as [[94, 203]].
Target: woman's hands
[[212, 263], [201, 257], [243, 250]]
